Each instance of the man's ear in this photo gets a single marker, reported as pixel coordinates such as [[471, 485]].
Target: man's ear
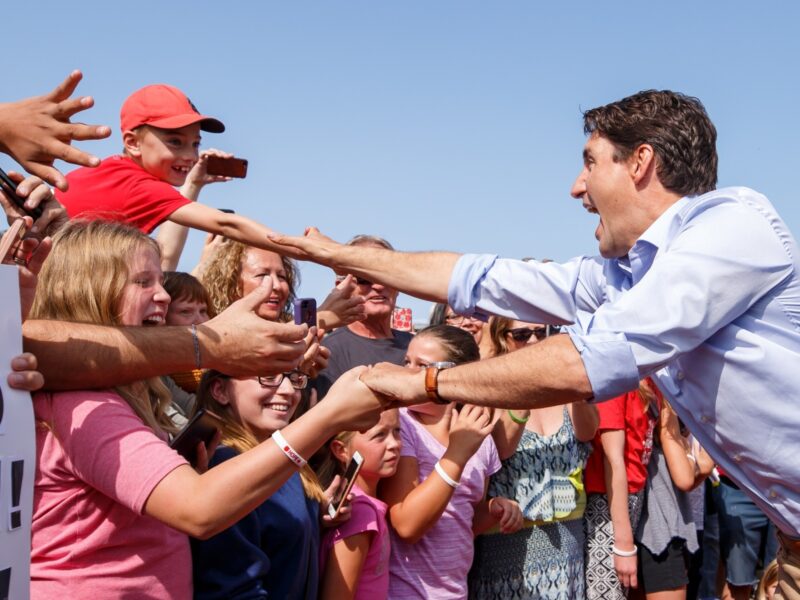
[[642, 163], [131, 141]]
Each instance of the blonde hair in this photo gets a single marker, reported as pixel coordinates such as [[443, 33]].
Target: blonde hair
[[235, 435], [769, 578], [222, 277], [83, 281], [329, 466]]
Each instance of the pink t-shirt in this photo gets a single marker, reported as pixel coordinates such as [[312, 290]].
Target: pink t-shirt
[[437, 565], [369, 514], [97, 463]]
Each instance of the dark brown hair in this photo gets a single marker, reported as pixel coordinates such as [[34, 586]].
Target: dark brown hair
[[675, 125], [183, 286], [459, 345]]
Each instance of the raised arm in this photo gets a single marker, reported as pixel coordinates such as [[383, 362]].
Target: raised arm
[[422, 274], [36, 131], [237, 342]]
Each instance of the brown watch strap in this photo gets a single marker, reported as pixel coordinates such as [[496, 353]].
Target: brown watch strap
[[432, 385]]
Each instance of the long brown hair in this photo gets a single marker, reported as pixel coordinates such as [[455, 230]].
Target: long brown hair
[[83, 281], [235, 435]]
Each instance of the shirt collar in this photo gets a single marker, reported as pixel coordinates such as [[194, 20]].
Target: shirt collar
[[659, 232]]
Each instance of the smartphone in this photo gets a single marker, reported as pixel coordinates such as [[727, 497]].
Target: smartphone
[[10, 189], [202, 427], [229, 211], [349, 479], [305, 311], [227, 167]]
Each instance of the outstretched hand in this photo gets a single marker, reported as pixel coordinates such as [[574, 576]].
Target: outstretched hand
[[240, 343], [313, 246], [37, 131], [342, 306], [399, 385], [36, 194]]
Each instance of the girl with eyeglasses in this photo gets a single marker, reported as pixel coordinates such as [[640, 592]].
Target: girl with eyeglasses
[[113, 503], [544, 451]]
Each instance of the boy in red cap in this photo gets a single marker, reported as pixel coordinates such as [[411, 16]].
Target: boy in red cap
[[161, 138]]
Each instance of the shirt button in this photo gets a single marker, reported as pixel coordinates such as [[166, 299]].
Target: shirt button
[[704, 419], [738, 458], [680, 375], [773, 494]]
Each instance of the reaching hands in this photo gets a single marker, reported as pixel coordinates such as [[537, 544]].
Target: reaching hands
[[313, 246], [357, 408], [469, 428], [36, 194], [316, 356], [37, 130], [342, 306]]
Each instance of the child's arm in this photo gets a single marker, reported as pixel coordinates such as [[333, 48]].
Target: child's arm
[[616, 477], [415, 507], [507, 432], [684, 468], [172, 236], [496, 510], [585, 420], [340, 579]]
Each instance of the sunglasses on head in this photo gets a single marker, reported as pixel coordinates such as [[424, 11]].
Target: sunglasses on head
[[523, 334]]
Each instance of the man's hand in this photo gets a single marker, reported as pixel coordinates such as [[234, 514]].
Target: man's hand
[[36, 131], [312, 246], [399, 385], [316, 356], [35, 193], [240, 343], [24, 375], [342, 306]]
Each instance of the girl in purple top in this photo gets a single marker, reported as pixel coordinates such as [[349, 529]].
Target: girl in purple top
[[355, 555], [437, 499]]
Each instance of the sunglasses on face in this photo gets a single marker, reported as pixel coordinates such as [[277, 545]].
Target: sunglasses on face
[[358, 280], [523, 334], [298, 380]]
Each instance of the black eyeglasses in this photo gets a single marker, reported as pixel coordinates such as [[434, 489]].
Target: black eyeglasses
[[523, 334], [457, 319], [298, 380]]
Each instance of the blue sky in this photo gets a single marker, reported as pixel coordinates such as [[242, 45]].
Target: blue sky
[[438, 125]]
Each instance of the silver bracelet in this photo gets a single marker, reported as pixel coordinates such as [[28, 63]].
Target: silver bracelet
[[445, 477], [625, 553], [196, 347], [287, 449]]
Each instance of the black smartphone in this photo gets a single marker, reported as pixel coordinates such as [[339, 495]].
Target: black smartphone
[[10, 189], [229, 211], [305, 311], [227, 167], [350, 475], [202, 427]]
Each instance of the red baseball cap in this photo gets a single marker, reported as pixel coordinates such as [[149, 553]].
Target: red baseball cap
[[165, 107]]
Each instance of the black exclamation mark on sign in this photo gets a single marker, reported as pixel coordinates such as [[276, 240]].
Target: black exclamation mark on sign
[[5, 584], [15, 514]]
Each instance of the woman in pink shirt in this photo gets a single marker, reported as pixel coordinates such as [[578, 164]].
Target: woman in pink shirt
[[113, 503]]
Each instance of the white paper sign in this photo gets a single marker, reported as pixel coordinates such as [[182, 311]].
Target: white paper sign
[[17, 451]]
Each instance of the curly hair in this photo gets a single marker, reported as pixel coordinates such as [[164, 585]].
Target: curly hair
[[222, 277], [675, 125]]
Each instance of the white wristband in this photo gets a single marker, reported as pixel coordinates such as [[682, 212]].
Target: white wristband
[[445, 477], [287, 449], [625, 553]]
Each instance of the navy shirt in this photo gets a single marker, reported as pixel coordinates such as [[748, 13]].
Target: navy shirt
[[271, 553]]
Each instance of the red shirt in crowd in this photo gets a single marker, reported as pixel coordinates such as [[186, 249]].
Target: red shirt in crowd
[[120, 190], [626, 412]]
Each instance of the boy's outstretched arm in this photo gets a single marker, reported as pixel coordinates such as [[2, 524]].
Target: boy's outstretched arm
[[36, 131], [172, 236]]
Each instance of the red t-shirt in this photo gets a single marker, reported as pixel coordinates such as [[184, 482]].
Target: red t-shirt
[[623, 412], [120, 190]]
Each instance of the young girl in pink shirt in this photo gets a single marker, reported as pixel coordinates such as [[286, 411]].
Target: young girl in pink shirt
[[437, 499], [355, 555]]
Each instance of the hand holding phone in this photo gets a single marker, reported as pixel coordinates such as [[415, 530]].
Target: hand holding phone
[[10, 189], [350, 475], [201, 428]]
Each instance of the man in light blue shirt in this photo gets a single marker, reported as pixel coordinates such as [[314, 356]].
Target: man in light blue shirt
[[695, 286]]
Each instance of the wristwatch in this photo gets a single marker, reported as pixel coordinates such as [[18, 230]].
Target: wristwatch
[[432, 380]]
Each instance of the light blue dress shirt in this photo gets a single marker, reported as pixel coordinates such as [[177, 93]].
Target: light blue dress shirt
[[708, 303]]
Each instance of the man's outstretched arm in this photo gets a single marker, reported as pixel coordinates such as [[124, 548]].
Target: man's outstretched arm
[[237, 342], [544, 374], [422, 274]]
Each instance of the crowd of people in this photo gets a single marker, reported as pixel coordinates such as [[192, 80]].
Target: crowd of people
[[593, 429]]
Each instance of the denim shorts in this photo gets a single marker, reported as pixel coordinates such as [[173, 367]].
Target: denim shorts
[[747, 538]]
